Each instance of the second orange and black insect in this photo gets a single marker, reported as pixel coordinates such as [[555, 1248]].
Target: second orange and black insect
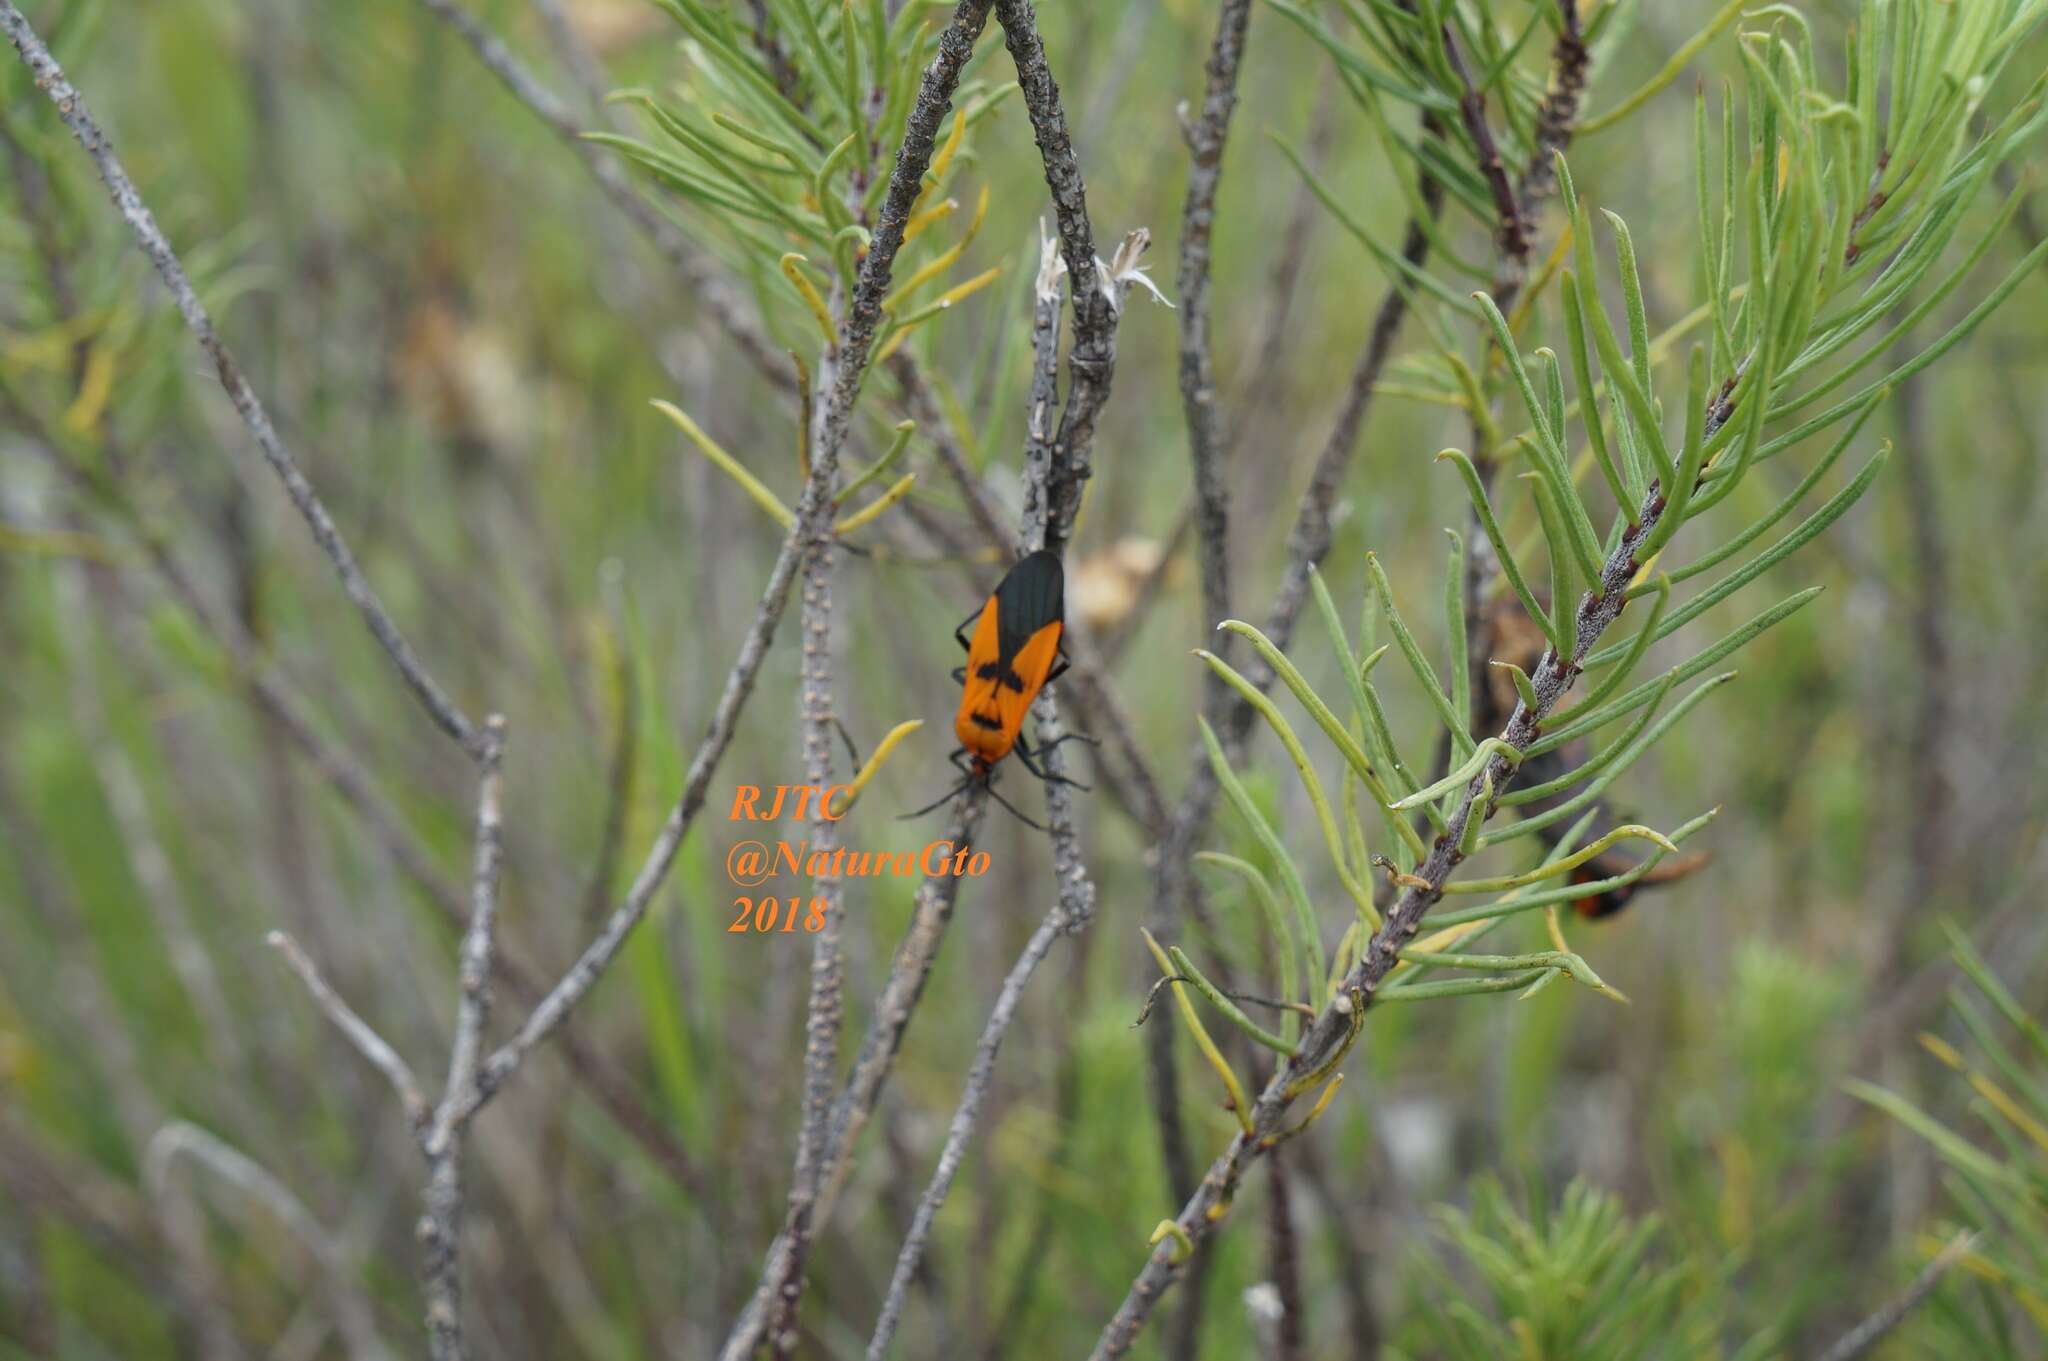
[[1016, 648]]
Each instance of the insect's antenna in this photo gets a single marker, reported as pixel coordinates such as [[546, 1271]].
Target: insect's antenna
[[944, 798], [1035, 826]]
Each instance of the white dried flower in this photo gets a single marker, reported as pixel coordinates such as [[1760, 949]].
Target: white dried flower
[[1125, 270], [1051, 265]]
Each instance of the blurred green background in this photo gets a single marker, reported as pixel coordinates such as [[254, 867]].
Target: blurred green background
[[460, 338]]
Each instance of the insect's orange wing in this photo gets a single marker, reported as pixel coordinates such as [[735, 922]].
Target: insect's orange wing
[[1028, 670], [979, 725]]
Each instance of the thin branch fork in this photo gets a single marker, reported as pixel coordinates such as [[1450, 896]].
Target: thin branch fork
[[440, 1129], [49, 78], [336, 766]]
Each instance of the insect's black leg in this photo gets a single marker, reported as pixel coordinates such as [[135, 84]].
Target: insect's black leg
[[948, 796], [959, 675], [944, 798], [960, 631], [1035, 826], [1024, 754]]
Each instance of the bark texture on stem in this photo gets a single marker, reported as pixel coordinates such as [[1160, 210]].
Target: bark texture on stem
[[1207, 444]]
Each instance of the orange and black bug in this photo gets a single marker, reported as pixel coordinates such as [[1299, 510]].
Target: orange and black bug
[[1612, 865], [1016, 648]]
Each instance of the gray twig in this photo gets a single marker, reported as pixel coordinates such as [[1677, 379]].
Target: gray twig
[[49, 78], [440, 1228], [479, 943], [440, 1130], [1859, 1340], [826, 1008], [962, 1129], [356, 1031], [1043, 397], [1206, 137]]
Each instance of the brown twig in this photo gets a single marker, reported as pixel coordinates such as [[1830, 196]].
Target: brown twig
[[1517, 205], [1285, 1259], [1206, 138], [770, 48], [1511, 230]]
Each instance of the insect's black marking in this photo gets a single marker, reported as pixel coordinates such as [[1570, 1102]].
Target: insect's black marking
[[982, 720], [997, 671]]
